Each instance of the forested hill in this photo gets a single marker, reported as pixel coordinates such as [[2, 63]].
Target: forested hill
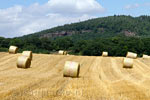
[[102, 27], [115, 34]]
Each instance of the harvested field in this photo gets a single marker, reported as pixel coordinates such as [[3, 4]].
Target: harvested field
[[100, 78]]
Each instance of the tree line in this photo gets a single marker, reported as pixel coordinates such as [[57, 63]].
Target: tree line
[[91, 38], [116, 46]]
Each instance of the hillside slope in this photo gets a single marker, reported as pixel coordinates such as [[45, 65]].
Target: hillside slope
[[102, 27], [115, 34], [100, 79]]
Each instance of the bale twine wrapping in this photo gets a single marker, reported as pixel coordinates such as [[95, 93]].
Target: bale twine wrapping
[[27, 54], [13, 49], [131, 55], [23, 62], [61, 52], [146, 56], [71, 69], [128, 63], [105, 54]]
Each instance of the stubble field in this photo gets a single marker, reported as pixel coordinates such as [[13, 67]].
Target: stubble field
[[100, 78]]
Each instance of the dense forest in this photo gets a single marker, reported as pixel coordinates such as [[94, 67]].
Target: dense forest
[[115, 34]]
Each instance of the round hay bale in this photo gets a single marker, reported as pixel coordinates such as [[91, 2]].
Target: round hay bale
[[146, 56], [71, 69], [131, 55], [61, 52], [27, 54], [105, 54], [13, 49], [23, 62], [65, 52], [127, 62]]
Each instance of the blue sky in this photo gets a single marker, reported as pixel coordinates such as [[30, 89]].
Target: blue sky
[[9, 3], [118, 7], [23, 17], [112, 6]]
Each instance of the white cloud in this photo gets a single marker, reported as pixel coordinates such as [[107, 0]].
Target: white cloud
[[50, 20], [20, 20], [131, 6], [75, 6]]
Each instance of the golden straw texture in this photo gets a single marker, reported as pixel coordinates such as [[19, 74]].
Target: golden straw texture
[[27, 54], [61, 52], [128, 63], [146, 56], [71, 69], [13, 49], [131, 55], [105, 54], [23, 62]]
